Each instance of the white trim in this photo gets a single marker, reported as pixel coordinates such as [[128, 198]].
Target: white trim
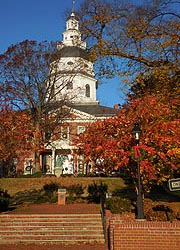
[[62, 130], [81, 129]]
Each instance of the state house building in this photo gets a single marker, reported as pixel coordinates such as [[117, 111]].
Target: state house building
[[61, 156]]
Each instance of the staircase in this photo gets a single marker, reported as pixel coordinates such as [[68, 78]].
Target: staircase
[[51, 228]]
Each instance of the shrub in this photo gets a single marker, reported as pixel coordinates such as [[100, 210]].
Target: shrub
[[4, 194], [4, 204], [50, 188], [67, 175], [35, 175], [42, 199], [161, 213], [4, 200], [118, 205], [53, 199], [70, 200], [76, 190], [96, 191]]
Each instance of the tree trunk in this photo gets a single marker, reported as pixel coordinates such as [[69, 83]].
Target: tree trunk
[[37, 142], [37, 167]]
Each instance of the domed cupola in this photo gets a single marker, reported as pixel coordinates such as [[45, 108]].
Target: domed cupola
[[72, 35], [74, 65]]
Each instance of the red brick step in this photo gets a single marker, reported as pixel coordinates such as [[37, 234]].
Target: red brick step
[[54, 228]]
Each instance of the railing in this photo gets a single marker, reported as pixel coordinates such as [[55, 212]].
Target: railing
[[103, 215]]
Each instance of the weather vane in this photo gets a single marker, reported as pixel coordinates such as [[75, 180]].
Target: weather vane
[[73, 3]]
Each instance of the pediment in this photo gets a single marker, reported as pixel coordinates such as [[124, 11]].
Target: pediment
[[80, 115]]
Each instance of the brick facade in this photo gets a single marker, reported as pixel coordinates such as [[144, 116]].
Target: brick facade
[[142, 235]]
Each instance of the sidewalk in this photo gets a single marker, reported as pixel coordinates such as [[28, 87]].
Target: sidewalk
[[53, 208], [54, 247]]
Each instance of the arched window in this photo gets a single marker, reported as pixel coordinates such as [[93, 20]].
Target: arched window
[[69, 85], [87, 90]]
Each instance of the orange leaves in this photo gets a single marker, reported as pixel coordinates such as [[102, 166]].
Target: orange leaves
[[98, 149], [15, 131], [144, 43], [173, 152], [149, 150], [159, 145], [147, 168]]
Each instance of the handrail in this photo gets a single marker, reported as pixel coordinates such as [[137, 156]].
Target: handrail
[[103, 215]]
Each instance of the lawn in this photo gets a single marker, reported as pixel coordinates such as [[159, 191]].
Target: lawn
[[15, 185], [156, 205]]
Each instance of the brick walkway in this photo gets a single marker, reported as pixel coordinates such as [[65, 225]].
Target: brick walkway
[[53, 247], [46, 208]]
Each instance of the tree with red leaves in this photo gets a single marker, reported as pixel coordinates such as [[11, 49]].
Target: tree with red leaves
[[16, 138], [29, 73], [111, 141]]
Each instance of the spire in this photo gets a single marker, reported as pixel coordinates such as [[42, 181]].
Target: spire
[[73, 12], [72, 34]]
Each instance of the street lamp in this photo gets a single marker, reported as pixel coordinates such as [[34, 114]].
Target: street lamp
[[136, 132]]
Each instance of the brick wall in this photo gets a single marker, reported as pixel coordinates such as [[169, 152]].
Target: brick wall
[[142, 235]]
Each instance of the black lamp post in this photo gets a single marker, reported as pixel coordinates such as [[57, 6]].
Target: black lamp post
[[136, 131]]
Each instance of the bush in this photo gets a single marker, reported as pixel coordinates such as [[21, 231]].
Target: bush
[[4, 201], [96, 191], [67, 175], [35, 175], [4, 194], [50, 188], [76, 190], [4, 204], [42, 199], [118, 205], [70, 200], [160, 212]]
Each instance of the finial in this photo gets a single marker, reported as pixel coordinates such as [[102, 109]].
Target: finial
[[73, 3]]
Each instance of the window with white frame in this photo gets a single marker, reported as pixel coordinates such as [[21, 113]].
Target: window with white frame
[[65, 133], [87, 90], [69, 85], [80, 129]]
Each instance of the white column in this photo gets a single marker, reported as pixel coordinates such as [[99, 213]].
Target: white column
[[53, 160]]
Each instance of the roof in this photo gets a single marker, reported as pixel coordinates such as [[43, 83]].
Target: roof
[[72, 16], [95, 109], [72, 51]]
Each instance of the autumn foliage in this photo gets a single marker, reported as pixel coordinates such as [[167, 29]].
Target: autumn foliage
[[111, 140], [134, 40], [16, 136], [28, 75]]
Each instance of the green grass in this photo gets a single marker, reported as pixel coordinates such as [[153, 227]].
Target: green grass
[[15, 185]]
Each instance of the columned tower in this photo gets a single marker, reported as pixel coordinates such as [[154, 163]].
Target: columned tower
[[76, 70]]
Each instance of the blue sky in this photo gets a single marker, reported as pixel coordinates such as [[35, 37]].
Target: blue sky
[[45, 20]]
